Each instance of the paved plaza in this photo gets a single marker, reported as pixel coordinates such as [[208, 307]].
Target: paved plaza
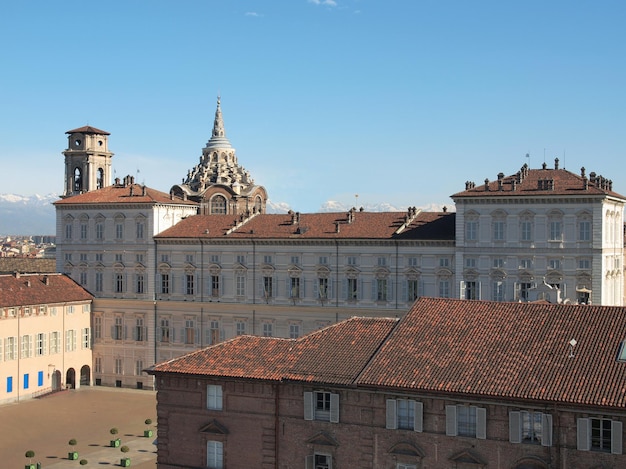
[[46, 425]]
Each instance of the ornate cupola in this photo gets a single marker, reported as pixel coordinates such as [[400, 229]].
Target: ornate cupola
[[87, 161], [218, 182]]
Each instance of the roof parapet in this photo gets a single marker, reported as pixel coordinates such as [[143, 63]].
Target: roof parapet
[[411, 215]]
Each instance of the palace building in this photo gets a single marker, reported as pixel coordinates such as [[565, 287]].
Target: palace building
[[174, 272]]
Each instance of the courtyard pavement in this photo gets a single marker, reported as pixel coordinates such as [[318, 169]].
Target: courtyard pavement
[[47, 424]]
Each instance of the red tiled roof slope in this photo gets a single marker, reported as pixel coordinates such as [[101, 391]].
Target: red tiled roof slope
[[244, 356], [121, 194], [512, 350], [365, 225], [337, 354], [31, 289], [533, 183], [87, 129]]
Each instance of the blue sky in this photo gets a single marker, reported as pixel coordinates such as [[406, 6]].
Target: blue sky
[[397, 101]]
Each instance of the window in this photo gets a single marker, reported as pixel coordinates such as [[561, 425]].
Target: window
[[10, 348], [498, 230], [119, 257], [139, 258], [526, 264], [444, 288], [83, 257], [584, 264], [444, 262], [295, 260], [497, 291], [118, 329], [471, 231], [267, 259], [471, 290], [319, 461], [240, 285], [70, 340], [381, 289], [554, 264], [470, 262], [9, 384], [82, 278], [498, 263], [98, 281], [321, 405], [83, 231], [55, 345], [98, 365], [68, 230], [294, 287], [294, 331], [26, 377], [530, 427], [556, 230], [40, 345], [267, 287], [119, 230], [241, 259], [405, 414], [218, 205], [86, 338], [322, 260], [268, 329], [165, 330], [139, 283], [139, 229], [353, 291], [97, 327], [99, 230], [27, 347], [119, 283], [165, 283], [190, 332], [412, 262], [189, 284], [351, 260], [240, 328], [165, 258], [599, 434], [215, 286], [214, 397], [464, 420], [524, 290], [412, 289], [214, 455], [40, 378], [525, 228], [139, 334], [119, 366], [382, 261], [322, 288], [213, 333], [215, 259], [138, 367], [584, 230]]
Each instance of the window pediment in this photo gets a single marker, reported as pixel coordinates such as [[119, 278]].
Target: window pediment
[[268, 270], [323, 271], [444, 272], [497, 274], [294, 271], [406, 449], [323, 439], [241, 269], [352, 272], [118, 267], [164, 267], [412, 273], [466, 457], [214, 427]]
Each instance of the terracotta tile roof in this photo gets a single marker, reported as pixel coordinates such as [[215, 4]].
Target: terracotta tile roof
[[244, 356], [364, 225], [337, 354], [540, 183], [479, 349], [32, 289], [8, 265], [121, 194], [511, 350], [87, 129]]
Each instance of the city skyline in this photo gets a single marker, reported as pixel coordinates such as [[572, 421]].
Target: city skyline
[[321, 99]]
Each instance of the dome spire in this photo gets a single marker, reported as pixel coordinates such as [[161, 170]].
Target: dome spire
[[218, 136]]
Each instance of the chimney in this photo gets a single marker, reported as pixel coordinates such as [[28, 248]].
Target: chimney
[[585, 183], [486, 184], [46, 280], [16, 274], [544, 165], [131, 190], [514, 185], [500, 176], [143, 190], [445, 209], [582, 172], [336, 227], [27, 283], [556, 163], [499, 183]]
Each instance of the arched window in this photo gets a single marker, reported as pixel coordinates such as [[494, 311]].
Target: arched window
[[100, 179], [78, 180], [218, 205], [257, 204]]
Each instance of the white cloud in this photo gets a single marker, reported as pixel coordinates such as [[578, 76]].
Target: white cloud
[[331, 3], [253, 13]]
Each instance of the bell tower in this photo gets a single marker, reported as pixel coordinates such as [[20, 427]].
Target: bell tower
[[87, 161]]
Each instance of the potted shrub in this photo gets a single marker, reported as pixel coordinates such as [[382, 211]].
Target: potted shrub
[[73, 454], [148, 433], [84, 462], [124, 462], [115, 442], [30, 454]]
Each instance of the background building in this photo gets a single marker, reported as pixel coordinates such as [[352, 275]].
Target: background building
[[204, 263], [45, 335]]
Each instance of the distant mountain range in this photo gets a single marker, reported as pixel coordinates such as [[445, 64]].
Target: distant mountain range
[[34, 214], [27, 214]]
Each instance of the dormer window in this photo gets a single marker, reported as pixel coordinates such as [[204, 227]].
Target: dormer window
[[621, 356]]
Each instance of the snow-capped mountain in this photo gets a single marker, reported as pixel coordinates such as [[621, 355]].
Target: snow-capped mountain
[[27, 215]]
